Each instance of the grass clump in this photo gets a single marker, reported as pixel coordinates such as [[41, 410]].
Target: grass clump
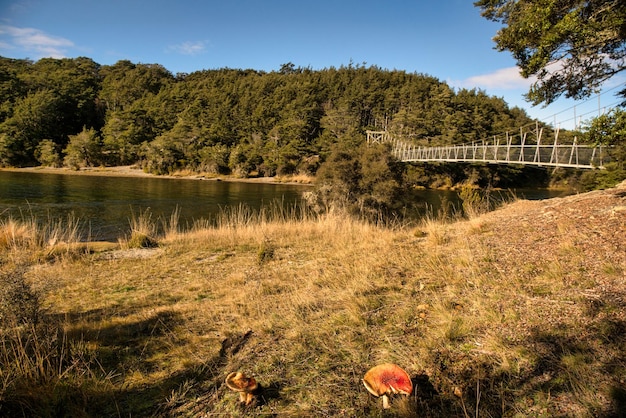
[[143, 230], [14, 234], [42, 239], [266, 252]]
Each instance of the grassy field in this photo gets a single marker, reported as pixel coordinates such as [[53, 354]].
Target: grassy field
[[519, 312]]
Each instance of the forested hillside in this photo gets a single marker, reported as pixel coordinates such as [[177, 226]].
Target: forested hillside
[[75, 112]]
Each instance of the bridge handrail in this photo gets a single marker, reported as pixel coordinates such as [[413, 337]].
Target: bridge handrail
[[572, 155]]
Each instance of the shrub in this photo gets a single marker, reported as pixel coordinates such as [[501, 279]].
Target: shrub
[[363, 180], [214, 159], [83, 150], [161, 156], [38, 370], [475, 201], [47, 154], [603, 179]]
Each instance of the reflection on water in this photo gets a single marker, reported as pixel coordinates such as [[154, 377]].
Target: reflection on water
[[104, 205]]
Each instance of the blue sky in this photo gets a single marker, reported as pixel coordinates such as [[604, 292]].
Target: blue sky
[[447, 39]]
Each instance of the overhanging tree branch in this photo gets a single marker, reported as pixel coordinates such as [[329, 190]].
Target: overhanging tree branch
[[586, 38]]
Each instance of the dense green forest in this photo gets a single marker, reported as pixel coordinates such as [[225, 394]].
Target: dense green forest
[[77, 113]]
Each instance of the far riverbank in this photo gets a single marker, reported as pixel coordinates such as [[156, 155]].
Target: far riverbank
[[134, 171]]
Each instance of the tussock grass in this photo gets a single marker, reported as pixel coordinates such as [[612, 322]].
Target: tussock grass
[[307, 304], [143, 230], [42, 239]]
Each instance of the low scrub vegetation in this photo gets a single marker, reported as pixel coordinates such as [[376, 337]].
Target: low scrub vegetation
[[306, 304]]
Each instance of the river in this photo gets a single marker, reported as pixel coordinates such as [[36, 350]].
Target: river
[[104, 205]]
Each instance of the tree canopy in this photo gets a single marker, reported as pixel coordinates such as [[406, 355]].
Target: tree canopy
[[244, 122], [571, 46]]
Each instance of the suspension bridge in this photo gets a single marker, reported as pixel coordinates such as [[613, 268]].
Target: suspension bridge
[[526, 148], [514, 149]]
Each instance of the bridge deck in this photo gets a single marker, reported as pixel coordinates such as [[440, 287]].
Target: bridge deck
[[552, 155]]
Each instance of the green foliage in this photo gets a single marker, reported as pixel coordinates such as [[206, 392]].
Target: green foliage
[[124, 132], [382, 178], [83, 150], [250, 123], [609, 130], [360, 179], [571, 46], [47, 154], [34, 117], [243, 122], [12, 87], [124, 83], [266, 252], [143, 231], [337, 184], [214, 159], [161, 156], [140, 240], [49, 99], [613, 174], [475, 201], [241, 161]]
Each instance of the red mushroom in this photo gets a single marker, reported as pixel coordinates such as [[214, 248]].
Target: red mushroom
[[387, 379], [246, 386]]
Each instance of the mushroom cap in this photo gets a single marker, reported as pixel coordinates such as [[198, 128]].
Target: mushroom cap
[[386, 379], [238, 382]]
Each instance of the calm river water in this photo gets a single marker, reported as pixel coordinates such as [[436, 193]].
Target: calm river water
[[105, 205]]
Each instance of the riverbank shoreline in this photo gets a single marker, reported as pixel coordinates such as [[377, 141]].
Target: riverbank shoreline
[[133, 171]]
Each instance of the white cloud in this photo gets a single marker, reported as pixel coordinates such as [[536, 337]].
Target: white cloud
[[22, 6], [35, 41], [502, 79], [188, 48]]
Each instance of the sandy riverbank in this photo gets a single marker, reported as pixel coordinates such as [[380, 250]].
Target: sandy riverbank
[[133, 171]]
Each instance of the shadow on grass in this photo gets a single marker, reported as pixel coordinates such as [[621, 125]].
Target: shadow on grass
[[135, 348], [580, 368], [572, 366], [428, 400], [576, 370], [102, 369]]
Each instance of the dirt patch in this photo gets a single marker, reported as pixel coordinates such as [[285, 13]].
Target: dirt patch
[[134, 253], [593, 223]]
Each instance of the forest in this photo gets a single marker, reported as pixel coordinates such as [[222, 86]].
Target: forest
[[77, 113]]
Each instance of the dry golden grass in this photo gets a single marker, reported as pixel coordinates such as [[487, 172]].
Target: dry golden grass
[[16, 234], [308, 304], [295, 178]]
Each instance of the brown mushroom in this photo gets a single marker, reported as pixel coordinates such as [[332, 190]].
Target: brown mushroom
[[387, 379], [246, 386]]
